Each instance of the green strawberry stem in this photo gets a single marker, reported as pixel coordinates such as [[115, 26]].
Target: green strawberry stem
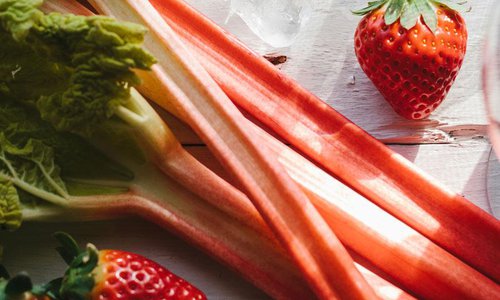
[[79, 279], [409, 11]]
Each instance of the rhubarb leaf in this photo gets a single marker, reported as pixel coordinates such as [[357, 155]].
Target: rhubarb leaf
[[10, 206], [79, 69], [75, 156], [19, 15], [33, 154], [61, 75], [31, 167]]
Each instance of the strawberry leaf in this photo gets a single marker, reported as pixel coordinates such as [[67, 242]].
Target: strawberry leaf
[[50, 289], [458, 6], [394, 11], [79, 279], [427, 11], [68, 249], [410, 15], [409, 11], [371, 7]]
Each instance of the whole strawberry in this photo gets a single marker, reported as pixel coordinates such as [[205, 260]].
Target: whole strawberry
[[412, 51], [115, 274]]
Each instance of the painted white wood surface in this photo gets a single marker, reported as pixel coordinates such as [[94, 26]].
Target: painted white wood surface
[[322, 60]]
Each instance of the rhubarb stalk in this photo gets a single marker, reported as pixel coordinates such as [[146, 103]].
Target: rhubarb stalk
[[315, 249], [72, 91], [381, 240], [225, 238], [335, 143]]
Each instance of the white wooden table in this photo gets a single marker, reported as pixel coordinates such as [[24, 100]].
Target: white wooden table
[[452, 145]]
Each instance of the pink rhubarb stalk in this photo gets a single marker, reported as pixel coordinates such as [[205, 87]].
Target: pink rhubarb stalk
[[315, 249], [377, 238], [335, 143]]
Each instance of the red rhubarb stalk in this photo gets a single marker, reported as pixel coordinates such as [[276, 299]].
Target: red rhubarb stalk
[[335, 143], [360, 222], [381, 240], [133, 121], [315, 249], [257, 257]]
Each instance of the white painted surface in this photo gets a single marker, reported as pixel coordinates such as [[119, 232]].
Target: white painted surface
[[323, 60]]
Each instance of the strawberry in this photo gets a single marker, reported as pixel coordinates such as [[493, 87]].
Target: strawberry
[[412, 51], [115, 274]]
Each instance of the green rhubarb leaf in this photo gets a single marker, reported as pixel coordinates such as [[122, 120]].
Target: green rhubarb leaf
[[19, 15], [32, 168], [75, 156], [10, 207], [38, 162], [79, 69], [32, 154]]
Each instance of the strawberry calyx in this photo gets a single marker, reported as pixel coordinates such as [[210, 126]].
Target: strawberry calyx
[[11, 288], [21, 287], [78, 280], [409, 11]]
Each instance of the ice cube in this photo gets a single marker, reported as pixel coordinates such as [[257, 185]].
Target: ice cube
[[276, 22]]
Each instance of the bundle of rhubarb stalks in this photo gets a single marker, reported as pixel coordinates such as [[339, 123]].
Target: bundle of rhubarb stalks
[[337, 215]]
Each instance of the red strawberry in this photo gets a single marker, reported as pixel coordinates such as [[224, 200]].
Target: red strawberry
[[114, 274], [412, 51]]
